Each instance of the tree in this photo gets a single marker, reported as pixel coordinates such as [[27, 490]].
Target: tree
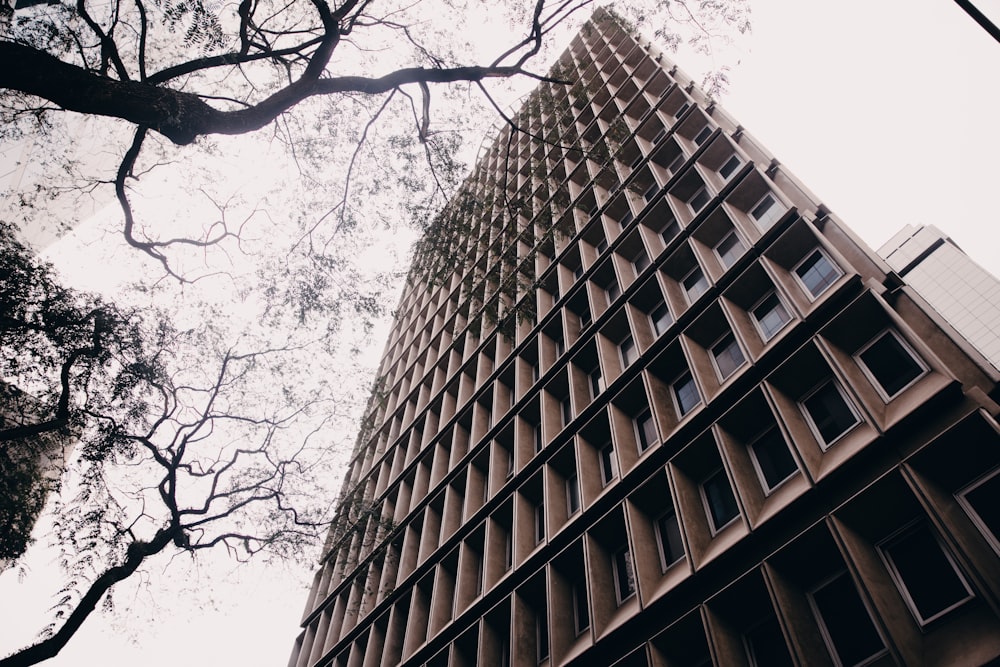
[[194, 425]]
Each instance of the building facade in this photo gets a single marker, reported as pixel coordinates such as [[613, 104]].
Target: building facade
[[667, 410], [964, 293]]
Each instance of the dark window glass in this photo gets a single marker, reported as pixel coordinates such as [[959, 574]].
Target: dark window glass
[[670, 231], [829, 413], [699, 200], [539, 443], [613, 290], [931, 584], [730, 167], [640, 262], [983, 499], [767, 211], [703, 136], [645, 430], [719, 499], [676, 163], [892, 366], [581, 614], [628, 351], [850, 633], [668, 534], [774, 460], [695, 284], [572, 494], [539, 522], [542, 628], [766, 645], [661, 319], [596, 382], [567, 412], [730, 249]]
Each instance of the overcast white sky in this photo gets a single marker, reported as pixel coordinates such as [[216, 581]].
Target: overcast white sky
[[887, 111]]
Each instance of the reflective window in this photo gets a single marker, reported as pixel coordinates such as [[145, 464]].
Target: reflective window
[[645, 430], [609, 468], [729, 167], [890, 363], [685, 394], [727, 356], [829, 413], [925, 573], [772, 459], [628, 351], [817, 273], [624, 574], [730, 249], [668, 539], [661, 319], [846, 625], [767, 211], [770, 315], [703, 136], [539, 522], [720, 503], [699, 199], [572, 494], [695, 284], [581, 613]]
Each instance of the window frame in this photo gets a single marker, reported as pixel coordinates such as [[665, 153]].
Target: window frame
[[992, 539], [704, 134], [675, 395], [715, 360], [824, 445], [622, 558], [707, 506], [687, 291], [776, 202], [802, 283], [633, 351], [900, 583], [608, 464], [643, 443], [733, 171], [733, 234], [831, 648], [708, 198], [539, 512], [660, 539], [577, 588], [573, 499], [765, 485], [653, 320], [757, 321], [889, 331]]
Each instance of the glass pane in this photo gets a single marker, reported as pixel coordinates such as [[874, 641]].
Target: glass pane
[[766, 645], [661, 319], [720, 499], [771, 316], [729, 168], [686, 394], [849, 628], [624, 577], [669, 533], [817, 273], [728, 356], [890, 364], [699, 200], [830, 413], [984, 499], [773, 458], [928, 575], [695, 284], [730, 249]]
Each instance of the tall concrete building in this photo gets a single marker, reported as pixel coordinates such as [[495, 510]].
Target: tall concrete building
[[664, 409]]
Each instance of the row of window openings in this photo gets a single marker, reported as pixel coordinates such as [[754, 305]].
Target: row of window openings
[[919, 564]]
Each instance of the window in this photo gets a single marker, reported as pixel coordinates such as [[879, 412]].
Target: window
[[585, 318], [890, 363], [626, 219], [685, 394], [578, 273], [668, 539], [559, 345], [817, 273], [727, 356], [572, 494], [542, 634], [730, 166], [596, 381], [847, 628], [601, 246], [624, 574], [699, 199], [581, 613], [645, 430], [830, 414], [539, 522], [640, 261], [676, 163], [613, 291], [508, 551], [684, 107], [661, 319], [670, 231], [659, 135], [767, 211], [628, 351], [770, 315], [772, 459], [730, 249], [566, 409], [651, 192], [766, 645], [609, 469], [537, 434], [510, 462], [924, 572], [695, 284], [981, 500], [703, 135], [720, 503]]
